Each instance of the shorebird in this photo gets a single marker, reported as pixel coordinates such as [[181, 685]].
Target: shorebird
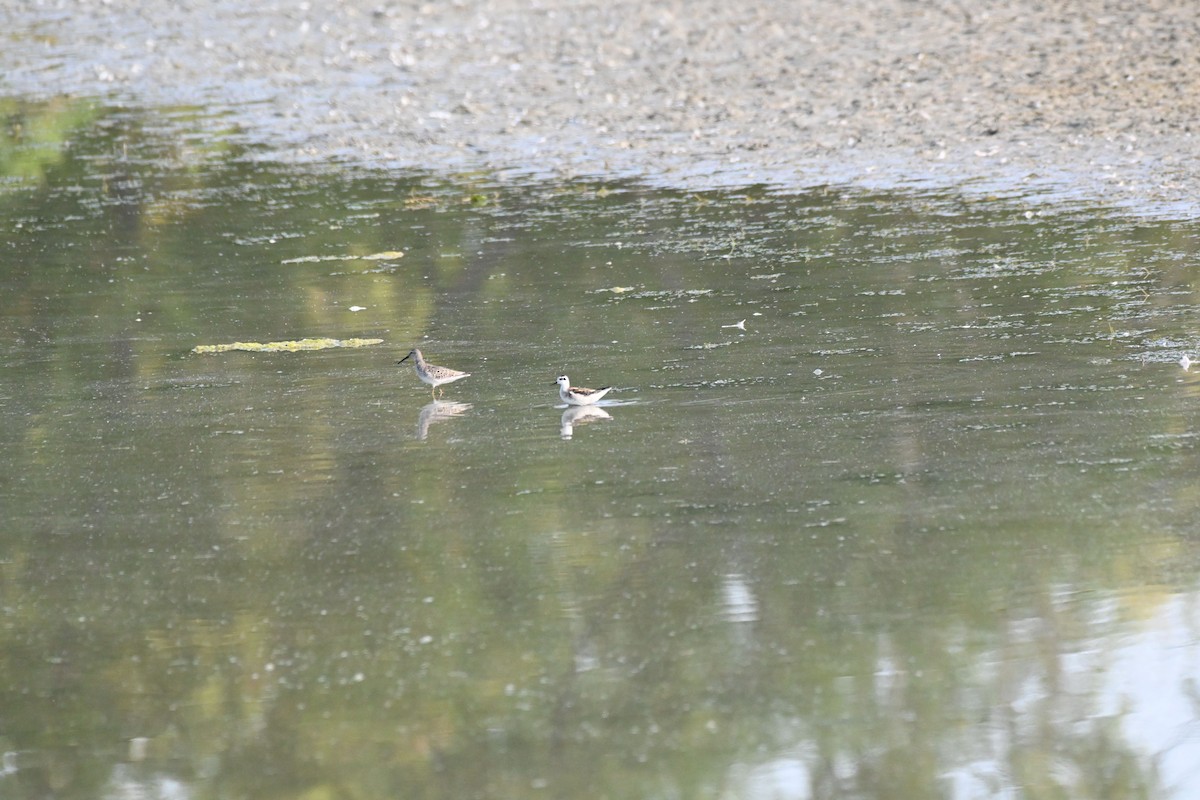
[[578, 395], [433, 375]]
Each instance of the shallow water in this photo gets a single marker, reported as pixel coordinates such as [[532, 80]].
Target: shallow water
[[924, 527]]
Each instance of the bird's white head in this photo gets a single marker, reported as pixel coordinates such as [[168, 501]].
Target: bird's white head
[[563, 382]]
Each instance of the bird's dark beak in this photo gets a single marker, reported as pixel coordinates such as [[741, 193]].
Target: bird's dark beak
[[401, 361]]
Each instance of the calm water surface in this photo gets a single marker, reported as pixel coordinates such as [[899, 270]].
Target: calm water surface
[[925, 527]]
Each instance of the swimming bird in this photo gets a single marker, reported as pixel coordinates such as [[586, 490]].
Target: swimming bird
[[433, 375], [578, 395]]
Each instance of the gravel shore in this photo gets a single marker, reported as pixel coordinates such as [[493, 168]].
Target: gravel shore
[[1086, 102]]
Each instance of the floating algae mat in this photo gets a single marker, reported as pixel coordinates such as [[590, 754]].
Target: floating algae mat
[[291, 346], [386, 255]]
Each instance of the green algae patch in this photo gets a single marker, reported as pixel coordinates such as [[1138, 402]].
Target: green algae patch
[[386, 255], [291, 346]]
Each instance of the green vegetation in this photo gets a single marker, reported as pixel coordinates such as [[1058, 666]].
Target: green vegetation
[[291, 346]]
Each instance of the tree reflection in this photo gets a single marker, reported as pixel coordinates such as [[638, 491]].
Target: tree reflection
[[246, 565]]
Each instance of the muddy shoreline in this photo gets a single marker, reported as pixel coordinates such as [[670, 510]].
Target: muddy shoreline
[[1091, 104]]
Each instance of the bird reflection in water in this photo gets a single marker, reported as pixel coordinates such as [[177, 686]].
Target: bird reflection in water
[[580, 414], [437, 411]]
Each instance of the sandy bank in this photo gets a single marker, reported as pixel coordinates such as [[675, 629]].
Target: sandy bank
[[1089, 101]]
